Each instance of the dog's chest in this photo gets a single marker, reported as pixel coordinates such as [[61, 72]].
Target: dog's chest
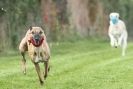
[[37, 54], [116, 30]]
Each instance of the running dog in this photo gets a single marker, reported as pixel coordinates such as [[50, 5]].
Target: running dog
[[35, 43], [117, 32]]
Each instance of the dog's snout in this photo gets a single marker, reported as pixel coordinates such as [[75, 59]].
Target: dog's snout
[[36, 37]]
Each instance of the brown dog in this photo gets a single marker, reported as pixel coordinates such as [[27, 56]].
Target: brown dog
[[35, 43]]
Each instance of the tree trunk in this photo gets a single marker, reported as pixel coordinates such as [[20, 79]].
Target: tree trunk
[[49, 14], [79, 16]]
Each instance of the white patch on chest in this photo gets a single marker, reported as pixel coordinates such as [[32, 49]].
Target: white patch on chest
[[116, 30], [38, 57]]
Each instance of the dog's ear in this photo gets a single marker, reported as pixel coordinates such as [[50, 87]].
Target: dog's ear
[[118, 15], [30, 27], [43, 27]]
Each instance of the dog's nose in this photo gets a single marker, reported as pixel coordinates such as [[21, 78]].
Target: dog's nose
[[114, 19], [36, 36], [37, 40]]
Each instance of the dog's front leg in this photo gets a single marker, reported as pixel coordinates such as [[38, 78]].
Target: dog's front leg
[[46, 64], [23, 62], [120, 39], [112, 40], [38, 72], [46, 57], [116, 42]]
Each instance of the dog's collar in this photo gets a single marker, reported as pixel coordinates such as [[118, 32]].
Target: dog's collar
[[33, 42]]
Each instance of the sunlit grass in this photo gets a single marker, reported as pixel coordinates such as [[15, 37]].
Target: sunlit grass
[[80, 65]]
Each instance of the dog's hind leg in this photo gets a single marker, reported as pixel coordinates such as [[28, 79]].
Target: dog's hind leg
[[124, 46], [23, 62], [38, 72]]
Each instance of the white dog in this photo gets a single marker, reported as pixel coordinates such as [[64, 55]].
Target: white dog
[[117, 32]]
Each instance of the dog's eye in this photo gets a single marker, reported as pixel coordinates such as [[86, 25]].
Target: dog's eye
[[32, 32], [40, 32]]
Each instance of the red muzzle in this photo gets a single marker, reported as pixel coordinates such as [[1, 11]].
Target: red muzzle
[[36, 44]]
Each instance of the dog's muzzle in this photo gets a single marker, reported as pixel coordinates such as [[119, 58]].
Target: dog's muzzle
[[114, 20], [36, 40]]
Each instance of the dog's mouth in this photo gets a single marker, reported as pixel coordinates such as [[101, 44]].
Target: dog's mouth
[[114, 20], [36, 41]]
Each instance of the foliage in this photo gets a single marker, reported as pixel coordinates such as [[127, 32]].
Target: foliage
[[18, 15], [70, 19]]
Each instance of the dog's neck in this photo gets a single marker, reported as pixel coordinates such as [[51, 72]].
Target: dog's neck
[[113, 23]]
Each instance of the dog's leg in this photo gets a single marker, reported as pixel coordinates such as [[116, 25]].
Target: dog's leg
[[115, 42], [38, 72], [23, 48], [46, 64], [112, 40], [121, 38], [23, 62], [120, 41], [124, 46]]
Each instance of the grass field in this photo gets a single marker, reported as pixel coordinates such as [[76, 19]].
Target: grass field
[[79, 65]]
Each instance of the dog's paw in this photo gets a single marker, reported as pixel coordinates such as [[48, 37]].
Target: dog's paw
[[115, 46], [41, 82], [112, 44], [45, 76], [24, 72], [49, 68]]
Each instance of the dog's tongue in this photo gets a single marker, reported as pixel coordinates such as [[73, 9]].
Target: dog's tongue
[[36, 43]]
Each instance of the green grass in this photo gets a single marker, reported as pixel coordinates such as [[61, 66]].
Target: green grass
[[79, 65]]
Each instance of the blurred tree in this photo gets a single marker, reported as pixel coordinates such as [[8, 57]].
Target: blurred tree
[[79, 16], [60, 18], [87, 17], [15, 15], [49, 14]]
